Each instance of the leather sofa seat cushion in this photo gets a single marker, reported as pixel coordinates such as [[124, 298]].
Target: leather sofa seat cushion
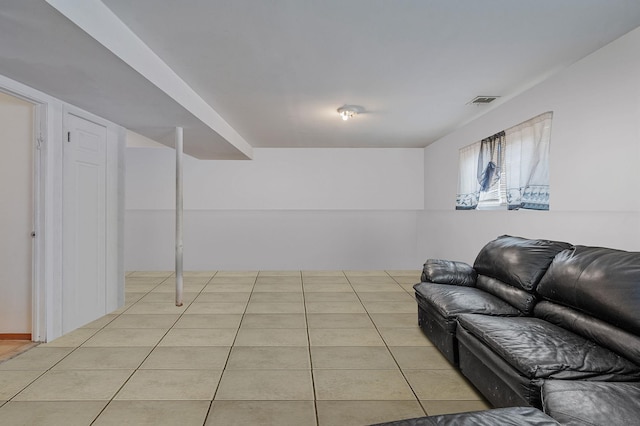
[[516, 261], [513, 416], [451, 300], [575, 403], [541, 350]]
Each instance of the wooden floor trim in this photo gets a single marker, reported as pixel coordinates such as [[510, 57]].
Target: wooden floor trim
[[15, 336]]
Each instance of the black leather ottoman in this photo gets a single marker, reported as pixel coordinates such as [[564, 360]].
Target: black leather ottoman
[[513, 416]]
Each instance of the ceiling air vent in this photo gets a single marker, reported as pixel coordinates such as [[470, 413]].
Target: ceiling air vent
[[482, 100]]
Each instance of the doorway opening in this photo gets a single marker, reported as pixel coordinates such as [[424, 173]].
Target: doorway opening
[[21, 125]]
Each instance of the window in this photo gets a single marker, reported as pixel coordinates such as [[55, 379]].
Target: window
[[508, 170]]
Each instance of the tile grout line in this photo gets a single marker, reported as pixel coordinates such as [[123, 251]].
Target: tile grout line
[[386, 345], [398, 364], [152, 348], [226, 360], [145, 358], [224, 367], [313, 381]]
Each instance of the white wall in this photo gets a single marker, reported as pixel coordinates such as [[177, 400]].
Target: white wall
[[286, 209], [16, 224], [280, 179], [273, 239], [595, 162], [329, 208]]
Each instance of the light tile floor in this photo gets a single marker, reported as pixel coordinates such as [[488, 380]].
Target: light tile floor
[[11, 348], [264, 348]]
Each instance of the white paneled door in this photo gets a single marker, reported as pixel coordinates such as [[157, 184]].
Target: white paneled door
[[84, 223]]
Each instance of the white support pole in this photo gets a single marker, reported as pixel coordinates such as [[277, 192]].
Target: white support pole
[[179, 210]]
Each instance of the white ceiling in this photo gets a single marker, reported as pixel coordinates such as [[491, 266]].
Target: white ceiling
[[277, 70]]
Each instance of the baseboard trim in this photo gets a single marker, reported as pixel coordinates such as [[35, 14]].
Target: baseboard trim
[[15, 336]]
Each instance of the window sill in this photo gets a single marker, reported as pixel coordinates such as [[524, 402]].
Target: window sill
[[492, 207]]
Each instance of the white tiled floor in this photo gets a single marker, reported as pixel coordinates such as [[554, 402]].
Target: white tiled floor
[[267, 348]]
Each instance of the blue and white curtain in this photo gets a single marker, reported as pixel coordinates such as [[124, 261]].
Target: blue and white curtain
[[527, 163], [490, 161], [479, 170]]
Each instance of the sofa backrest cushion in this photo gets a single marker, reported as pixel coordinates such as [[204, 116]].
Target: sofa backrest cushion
[[600, 282], [519, 299], [620, 341], [518, 262]]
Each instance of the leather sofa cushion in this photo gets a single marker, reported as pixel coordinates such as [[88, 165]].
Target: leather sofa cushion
[[601, 282], [452, 300], [516, 261], [576, 402], [604, 334], [541, 350], [520, 299], [513, 416], [448, 272]]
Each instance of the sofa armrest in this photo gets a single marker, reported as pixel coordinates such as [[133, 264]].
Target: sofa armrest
[[449, 272]]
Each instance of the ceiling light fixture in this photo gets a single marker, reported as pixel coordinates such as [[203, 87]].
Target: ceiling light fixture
[[349, 111]]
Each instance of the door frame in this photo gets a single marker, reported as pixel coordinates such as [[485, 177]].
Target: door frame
[[40, 145]]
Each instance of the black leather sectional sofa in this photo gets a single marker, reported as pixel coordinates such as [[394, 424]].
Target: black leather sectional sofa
[[539, 319]]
